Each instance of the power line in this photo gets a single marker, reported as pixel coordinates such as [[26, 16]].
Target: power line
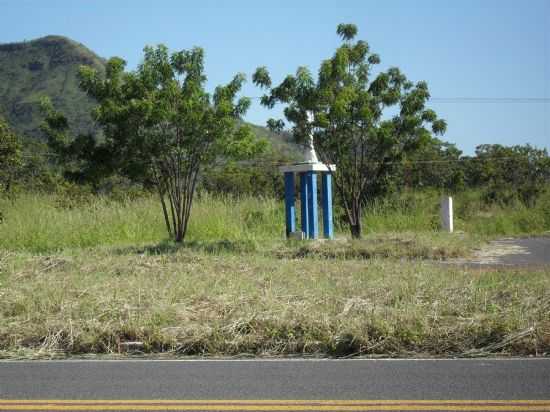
[[491, 99], [461, 160], [479, 99]]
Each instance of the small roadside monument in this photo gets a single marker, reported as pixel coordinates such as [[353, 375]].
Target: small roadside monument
[[307, 172], [447, 214]]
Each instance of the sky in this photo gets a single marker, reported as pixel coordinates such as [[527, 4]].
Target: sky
[[487, 62]]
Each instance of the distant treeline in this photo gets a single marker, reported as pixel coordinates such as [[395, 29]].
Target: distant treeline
[[159, 130], [504, 174]]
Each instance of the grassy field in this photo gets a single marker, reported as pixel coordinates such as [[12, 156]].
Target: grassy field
[[86, 276], [46, 223]]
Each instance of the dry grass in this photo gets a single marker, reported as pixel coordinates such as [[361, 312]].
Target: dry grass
[[403, 245], [190, 302], [91, 275]]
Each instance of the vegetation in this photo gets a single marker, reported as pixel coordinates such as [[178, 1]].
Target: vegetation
[[349, 124], [45, 67], [434, 164], [81, 273], [509, 173], [10, 157], [190, 303], [78, 219], [49, 67], [161, 123], [86, 265], [62, 255]]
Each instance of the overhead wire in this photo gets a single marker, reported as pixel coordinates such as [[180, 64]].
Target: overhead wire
[[466, 99], [436, 99]]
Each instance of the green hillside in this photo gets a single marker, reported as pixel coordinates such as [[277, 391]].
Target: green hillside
[[48, 67], [44, 67]]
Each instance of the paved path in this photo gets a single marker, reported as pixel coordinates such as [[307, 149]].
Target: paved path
[[246, 385], [511, 252]]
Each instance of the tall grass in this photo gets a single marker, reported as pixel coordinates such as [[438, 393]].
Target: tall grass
[[419, 212], [494, 220], [42, 223], [243, 218], [61, 294], [186, 302]]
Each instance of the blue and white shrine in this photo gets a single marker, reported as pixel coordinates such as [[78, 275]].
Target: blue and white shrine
[[307, 172]]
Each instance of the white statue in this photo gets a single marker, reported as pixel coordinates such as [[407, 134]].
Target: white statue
[[310, 155]]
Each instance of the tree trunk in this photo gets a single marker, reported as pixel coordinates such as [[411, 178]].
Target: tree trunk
[[179, 236], [356, 230], [165, 212], [355, 223], [185, 197], [352, 206]]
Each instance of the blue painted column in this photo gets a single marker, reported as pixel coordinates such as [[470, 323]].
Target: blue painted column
[[290, 208], [304, 204], [328, 228], [313, 223]]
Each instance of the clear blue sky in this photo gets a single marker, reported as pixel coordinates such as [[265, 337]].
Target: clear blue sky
[[467, 48]]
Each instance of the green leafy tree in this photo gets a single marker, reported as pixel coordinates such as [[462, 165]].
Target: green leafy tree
[[81, 159], [352, 126], [509, 173], [258, 178], [436, 165], [11, 161], [160, 124]]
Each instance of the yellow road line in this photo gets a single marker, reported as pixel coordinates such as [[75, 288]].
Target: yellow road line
[[279, 401], [289, 407]]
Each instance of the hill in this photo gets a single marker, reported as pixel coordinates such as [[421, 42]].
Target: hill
[[48, 67], [44, 67]]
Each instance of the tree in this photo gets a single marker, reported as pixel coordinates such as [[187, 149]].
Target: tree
[[81, 159], [351, 125], [160, 124], [509, 173], [10, 157], [437, 165]]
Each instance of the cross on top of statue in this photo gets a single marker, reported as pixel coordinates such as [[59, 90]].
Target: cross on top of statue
[[307, 171]]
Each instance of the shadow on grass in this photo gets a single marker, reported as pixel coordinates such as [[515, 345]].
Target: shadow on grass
[[213, 247], [394, 248], [366, 249]]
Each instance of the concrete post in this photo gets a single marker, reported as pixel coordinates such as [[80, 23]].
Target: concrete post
[[313, 222], [309, 222], [290, 208], [328, 229], [447, 214], [304, 204]]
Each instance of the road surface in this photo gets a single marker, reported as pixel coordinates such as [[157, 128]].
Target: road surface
[[510, 252], [329, 385]]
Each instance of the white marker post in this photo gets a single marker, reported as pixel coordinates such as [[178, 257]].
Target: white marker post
[[447, 214]]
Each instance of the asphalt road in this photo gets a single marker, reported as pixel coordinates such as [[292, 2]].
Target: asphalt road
[[511, 252], [529, 251], [217, 385]]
